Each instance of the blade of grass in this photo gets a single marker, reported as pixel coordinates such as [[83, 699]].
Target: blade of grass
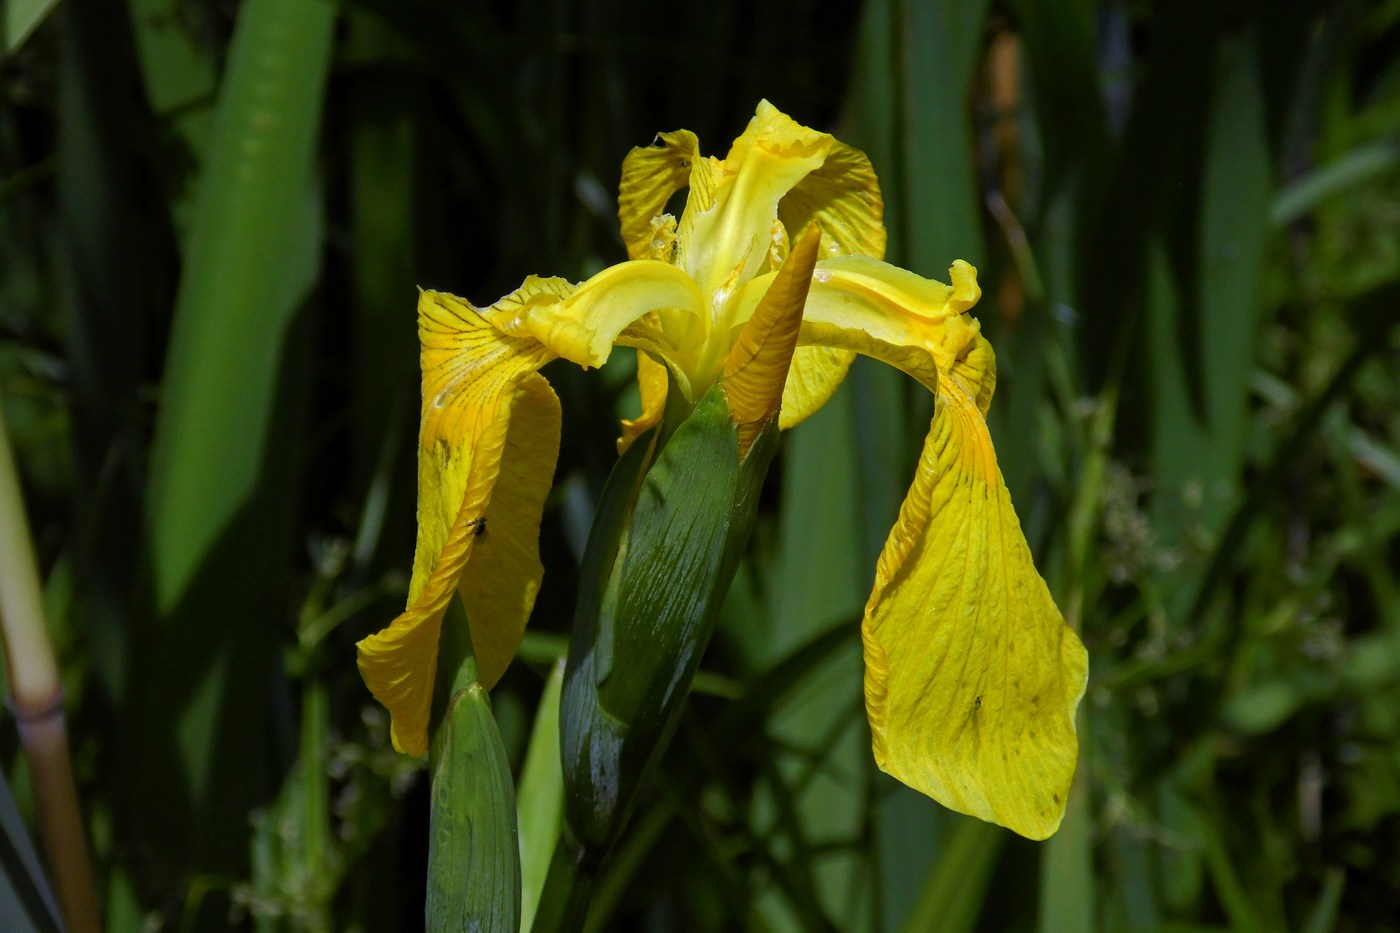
[[110, 226], [1348, 170], [1067, 869], [22, 17], [540, 799], [382, 145], [817, 579], [910, 109], [939, 45], [180, 81], [1198, 449], [252, 259], [225, 450], [1323, 918], [951, 898]]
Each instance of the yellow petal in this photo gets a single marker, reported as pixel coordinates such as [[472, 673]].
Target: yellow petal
[[916, 324], [650, 176], [842, 197], [972, 677], [583, 325], [757, 367], [816, 374], [399, 663], [471, 379], [728, 244], [651, 382], [470, 373], [503, 573]]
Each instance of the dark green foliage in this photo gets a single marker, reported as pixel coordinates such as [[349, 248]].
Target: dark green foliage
[[212, 220]]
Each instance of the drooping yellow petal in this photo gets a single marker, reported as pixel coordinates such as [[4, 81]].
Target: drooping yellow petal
[[470, 370], [650, 176], [651, 383], [503, 573], [972, 677], [757, 367], [842, 197], [583, 325], [471, 381]]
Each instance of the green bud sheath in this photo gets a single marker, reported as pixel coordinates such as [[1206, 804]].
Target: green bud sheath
[[661, 556], [473, 848]]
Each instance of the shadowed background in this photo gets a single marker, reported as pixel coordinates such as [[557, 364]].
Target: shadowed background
[[213, 216]]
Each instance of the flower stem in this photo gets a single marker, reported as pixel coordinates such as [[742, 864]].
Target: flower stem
[[36, 695]]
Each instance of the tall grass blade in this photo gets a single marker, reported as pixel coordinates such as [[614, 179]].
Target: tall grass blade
[[1352, 168], [540, 799], [1199, 447], [816, 581], [953, 893], [226, 446], [938, 52], [109, 229], [252, 260], [1067, 869], [910, 109], [180, 79], [22, 17]]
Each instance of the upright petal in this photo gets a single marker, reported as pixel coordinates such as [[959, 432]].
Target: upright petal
[[842, 197], [972, 677], [757, 367], [650, 176], [727, 245], [472, 378]]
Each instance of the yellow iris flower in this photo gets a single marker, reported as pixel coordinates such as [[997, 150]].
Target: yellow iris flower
[[972, 677]]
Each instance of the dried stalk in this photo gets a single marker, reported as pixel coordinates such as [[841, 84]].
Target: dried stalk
[[36, 695]]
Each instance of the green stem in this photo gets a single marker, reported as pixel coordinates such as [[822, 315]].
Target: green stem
[[315, 712], [568, 891]]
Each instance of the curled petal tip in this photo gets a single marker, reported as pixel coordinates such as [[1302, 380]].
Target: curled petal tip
[[966, 291]]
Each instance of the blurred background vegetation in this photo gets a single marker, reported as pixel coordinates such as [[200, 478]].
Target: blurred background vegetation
[[1186, 217]]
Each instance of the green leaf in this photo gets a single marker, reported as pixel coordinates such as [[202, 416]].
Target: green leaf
[[659, 563], [953, 893], [252, 259], [22, 17], [223, 462], [540, 806], [938, 46], [180, 78], [1201, 385], [1354, 167], [1067, 870], [473, 850]]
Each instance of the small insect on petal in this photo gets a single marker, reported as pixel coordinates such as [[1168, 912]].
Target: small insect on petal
[[478, 526]]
